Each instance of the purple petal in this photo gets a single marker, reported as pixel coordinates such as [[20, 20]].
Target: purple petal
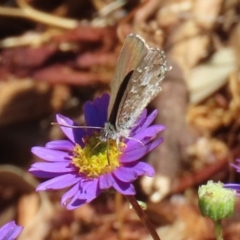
[[148, 121], [150, 132], [57, 167], [106, 181], [123, 187], [59, 182], [76, 204], [139, 122], [10, 231], [130, 172], [41, 174], [74, 134], [63, 145], [151, 117], [102, 104], [233, 186], [90, 187], [69, 194], [50, 154], [96, 112], [125, 174], [142, 118], [142, 168], [91, 113], [90, 190], [144, 137], [138, 153]]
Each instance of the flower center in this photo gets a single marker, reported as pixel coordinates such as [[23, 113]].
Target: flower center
[[97, 157]]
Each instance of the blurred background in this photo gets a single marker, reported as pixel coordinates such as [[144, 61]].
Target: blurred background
[[55, 55]]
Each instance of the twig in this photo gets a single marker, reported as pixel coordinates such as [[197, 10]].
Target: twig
[[143, 217], [27, 11]]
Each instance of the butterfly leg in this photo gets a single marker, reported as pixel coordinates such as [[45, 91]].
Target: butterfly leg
[[130, 138]]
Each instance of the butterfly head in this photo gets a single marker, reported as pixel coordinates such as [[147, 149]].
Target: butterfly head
[[108, 132]]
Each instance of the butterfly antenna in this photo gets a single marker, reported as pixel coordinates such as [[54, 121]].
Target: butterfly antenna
[[69, 126]]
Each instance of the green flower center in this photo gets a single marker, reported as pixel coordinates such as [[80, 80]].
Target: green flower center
[[96, 157]]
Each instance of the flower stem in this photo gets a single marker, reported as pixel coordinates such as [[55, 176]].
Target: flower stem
[[119, 205], [218, 229], [143, 217]]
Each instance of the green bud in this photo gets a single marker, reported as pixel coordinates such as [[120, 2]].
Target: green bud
[[215, 201]]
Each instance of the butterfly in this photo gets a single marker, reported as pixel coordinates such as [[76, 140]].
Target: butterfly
[[136, 82]]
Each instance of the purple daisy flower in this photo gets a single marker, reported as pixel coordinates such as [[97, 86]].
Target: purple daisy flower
[[234, 186], [10, 231], [87, 165]]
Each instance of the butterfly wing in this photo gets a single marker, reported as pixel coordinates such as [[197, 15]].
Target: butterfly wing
[[142, 87], [133, 50]]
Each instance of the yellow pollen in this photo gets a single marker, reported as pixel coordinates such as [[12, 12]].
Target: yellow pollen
[[96, 157]]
